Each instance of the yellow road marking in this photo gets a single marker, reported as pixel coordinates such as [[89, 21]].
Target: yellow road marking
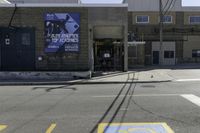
[[51, 128], [2, 127]]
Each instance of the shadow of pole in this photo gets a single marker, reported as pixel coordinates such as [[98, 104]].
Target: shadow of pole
[[118, 108]]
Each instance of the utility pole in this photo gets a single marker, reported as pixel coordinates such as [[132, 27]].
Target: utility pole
[[161, 33]]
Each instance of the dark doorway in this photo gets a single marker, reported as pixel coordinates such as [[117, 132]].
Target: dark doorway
[[155, 57], [17, 49], [108, 55]]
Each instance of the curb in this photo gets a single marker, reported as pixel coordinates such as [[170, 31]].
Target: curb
[[78, 82]]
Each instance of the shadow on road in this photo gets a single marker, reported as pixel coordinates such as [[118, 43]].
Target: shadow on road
[[48, 89], [118, 106]]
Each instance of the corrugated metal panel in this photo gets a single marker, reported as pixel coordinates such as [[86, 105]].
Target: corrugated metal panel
[[44, 1], [4, 2], [153, 5]]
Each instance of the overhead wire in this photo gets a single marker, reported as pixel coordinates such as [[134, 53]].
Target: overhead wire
[[170, 6]]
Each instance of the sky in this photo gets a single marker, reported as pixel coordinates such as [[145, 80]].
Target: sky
[[191, 2], [184, 2]]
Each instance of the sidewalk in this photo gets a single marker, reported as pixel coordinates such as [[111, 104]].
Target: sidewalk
[[150, 76]]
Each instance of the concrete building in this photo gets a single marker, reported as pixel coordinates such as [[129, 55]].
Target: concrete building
[[72, 36], [63, 37], [181, 33]]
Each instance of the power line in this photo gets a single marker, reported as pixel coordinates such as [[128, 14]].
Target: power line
[[165, 5], [171, 5]]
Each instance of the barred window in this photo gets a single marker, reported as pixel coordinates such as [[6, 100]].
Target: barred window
[[26, 39], [169, 54], [194, 19], [142, 19]]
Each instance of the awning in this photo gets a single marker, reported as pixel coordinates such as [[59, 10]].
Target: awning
[[134, 43]]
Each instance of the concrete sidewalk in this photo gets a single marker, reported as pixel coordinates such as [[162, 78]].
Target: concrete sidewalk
[[149, 76], [136, 77]]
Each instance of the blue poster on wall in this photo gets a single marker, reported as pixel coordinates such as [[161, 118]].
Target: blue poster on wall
[[62, 32]]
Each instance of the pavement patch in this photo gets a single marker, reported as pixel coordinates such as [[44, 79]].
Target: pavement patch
[[2, 127], [134, 128]]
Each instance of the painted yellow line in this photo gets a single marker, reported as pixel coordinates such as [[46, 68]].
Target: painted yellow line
[[2, 127], [168, 128], [51, 128]]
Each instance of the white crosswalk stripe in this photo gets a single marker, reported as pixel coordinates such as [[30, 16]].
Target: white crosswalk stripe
[[192, 98], [186, 80]]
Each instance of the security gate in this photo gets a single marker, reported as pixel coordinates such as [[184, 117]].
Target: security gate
[[17, 49]]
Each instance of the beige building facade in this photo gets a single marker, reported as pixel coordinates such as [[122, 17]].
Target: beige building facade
[[181, 27]]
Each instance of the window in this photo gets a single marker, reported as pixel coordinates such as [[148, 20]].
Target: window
[[166, 19], [194, 19], [142, 19], [26, 39], [196, 53], [169, 54]]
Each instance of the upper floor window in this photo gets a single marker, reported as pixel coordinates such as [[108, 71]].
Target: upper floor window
[[142, 19], [194, 19], [167, 19]]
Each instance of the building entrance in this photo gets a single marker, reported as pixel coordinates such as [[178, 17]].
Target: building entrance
[[108, 55], [17, 49]]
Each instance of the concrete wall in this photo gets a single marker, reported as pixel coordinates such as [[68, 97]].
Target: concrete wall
[[110, 17], [188, 14], [34, 17], [167, 46], [138, 59], [193, 43]]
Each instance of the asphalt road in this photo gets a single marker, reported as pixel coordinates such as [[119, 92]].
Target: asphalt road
[[79, 108]]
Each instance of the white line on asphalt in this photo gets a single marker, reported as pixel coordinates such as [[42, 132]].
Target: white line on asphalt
[[187, 80], [192, 98], [142, 95]]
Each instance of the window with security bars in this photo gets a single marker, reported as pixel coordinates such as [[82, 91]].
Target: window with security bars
[[142, 19], [196, 53], [26, 39], [194, 19], [166, 19], [169, 54]]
